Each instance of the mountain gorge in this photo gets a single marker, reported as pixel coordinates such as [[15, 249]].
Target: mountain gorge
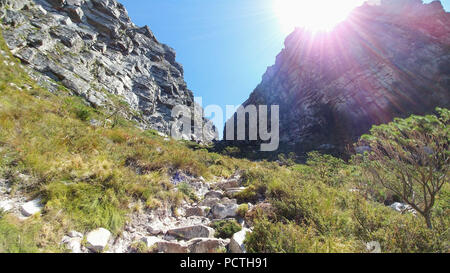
[[386, 60], [87, 164]]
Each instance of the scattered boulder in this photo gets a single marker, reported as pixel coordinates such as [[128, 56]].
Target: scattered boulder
[[155, 230], [31, 208], [191, 232], [237, 241], [72, 244], [206, 245], [172, 247], [209, 202], [97, 240], [373, 247], [402, 208], [6, 205], [214, 194], [222, 211]]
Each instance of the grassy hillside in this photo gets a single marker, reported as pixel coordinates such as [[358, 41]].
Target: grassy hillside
[[92, 176]]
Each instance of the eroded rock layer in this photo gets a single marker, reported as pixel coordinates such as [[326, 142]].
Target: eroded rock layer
[[93, 49], [387, 60]]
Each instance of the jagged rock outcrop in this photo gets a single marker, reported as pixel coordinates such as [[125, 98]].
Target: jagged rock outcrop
[[93, 49], [385, 61]]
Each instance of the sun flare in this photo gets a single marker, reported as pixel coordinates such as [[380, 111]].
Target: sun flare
[[315, 15]]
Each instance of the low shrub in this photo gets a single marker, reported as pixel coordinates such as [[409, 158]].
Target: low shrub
[[226, 228]]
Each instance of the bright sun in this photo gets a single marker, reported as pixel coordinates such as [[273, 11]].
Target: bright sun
[[315, 15]]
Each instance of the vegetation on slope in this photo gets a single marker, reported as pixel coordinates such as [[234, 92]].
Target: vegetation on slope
[[91, 176]]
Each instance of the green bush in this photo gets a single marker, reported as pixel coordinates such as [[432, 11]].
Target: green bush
[[226, 228], [187, 190], [242, 210], [268, 237]]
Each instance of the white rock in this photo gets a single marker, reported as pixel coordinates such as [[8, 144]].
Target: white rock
[[373, 247], [400, 207], [31, 208], [6, 205], [232, 191], [206, 245], [151, 241], [41, 9], [222, 211], [73, 244], [191, 232], [75, 234], [97, 240], [214, 194], [196, 211], [237, 241]]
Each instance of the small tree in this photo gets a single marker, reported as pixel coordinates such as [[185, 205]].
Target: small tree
[[410, 157]]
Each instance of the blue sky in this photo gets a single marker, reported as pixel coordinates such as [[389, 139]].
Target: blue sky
[[225, 46]]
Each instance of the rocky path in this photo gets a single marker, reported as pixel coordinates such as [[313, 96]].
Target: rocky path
[[186, 230]]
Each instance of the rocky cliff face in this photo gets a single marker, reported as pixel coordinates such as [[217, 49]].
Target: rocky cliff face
[[387, 60], [93, 49]]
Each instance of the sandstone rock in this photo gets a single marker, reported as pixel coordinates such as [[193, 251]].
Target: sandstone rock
[[73, 244], [75, 13], [373, 247], [237, 241], [57, 3], [154, 230], [13, 4], [172, 247], [233, 183], [214, 194], [209, 202], [196, 211], [92, 47], [203, 245], [187, 233], [152, 241], [332, 88], [400, 207], [6, 205], [32, 207], [232, 191], [222, 211], [97, 240]]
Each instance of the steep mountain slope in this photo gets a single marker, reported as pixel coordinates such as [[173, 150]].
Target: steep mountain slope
[[385, 61], [93, 49]]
